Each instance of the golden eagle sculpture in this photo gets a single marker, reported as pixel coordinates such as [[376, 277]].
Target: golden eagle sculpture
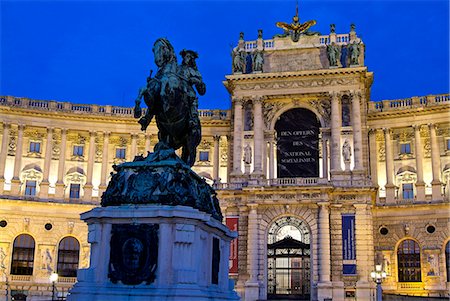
[[295, 28]]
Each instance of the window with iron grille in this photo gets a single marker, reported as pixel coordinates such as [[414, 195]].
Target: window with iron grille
[[203, 156], [407, 191], [408, 261], [120, 153], [78, 150], [405, 148]]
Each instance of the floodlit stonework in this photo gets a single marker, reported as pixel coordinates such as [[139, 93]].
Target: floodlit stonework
[[375, 190]]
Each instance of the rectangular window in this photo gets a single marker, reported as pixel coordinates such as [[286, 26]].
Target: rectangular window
[[120, 153], [35, 147], [405, 148], [74, 191], [203, 156], [408, 192], [448, 144], [30, 188], [78, 150]]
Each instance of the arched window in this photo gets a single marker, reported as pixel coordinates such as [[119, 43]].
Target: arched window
[[68, 257], [408, 261], [447, 260], [23, 255]]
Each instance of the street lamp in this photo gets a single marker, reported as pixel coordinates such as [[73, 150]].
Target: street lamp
[[53, 279], [378, 276]]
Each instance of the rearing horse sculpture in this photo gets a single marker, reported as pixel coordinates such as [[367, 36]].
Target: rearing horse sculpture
[[172, 100]]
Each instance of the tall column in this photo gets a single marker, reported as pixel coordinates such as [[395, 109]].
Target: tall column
[[47, 161], [147, 144], [325, 155], [324, 287], [271, 158], [390, 187], [357, 136], [61, 165], [237, 137], [3, 155], [435, 164], [373, 151], [264, 158], [216, 159], [335, 147], [258, 135], [105, 162], [90, 167], [418, 150], [251, 286], [15, 182], [364, 250], [133, 150]]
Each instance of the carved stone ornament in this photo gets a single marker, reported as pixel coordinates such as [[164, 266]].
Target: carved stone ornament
[[324, 108], [427, 148], [160, 178], [12, 144], [56, 147], [269, 111], [381, 152], [134, 253], [32, 175], [326, 82]]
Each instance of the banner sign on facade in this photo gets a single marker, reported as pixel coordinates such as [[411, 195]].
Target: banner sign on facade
[[232, 224], [348, 244], [298, 144]]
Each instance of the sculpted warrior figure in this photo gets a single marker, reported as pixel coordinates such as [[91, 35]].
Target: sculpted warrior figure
[[258, 60], [248, 154], [355, 51], [333, 54], [171, 99], [239, 57]]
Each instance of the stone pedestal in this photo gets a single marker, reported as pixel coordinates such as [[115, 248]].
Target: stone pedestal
[[59, 191], [187, 258], [324, 291]]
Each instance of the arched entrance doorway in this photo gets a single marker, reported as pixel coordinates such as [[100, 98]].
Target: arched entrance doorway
[[288, 260], [298, 144]]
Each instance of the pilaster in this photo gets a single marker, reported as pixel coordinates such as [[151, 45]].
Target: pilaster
[[15, 182], [356, 124], [3, 154], [420, 184], [336, 122], [105, 162], [237, 137], [59, 192], [47, 161], [90, 167], [258, 137], [252, 284], [390, 187], [435, 164], [216, 159]]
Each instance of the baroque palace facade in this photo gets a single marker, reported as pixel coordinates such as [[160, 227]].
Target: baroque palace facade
[[320, 182]]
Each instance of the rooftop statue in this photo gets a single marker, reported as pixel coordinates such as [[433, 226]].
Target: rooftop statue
[[296, 28], [172, 100]]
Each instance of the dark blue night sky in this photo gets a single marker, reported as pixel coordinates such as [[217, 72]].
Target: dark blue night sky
[[99, 52]]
